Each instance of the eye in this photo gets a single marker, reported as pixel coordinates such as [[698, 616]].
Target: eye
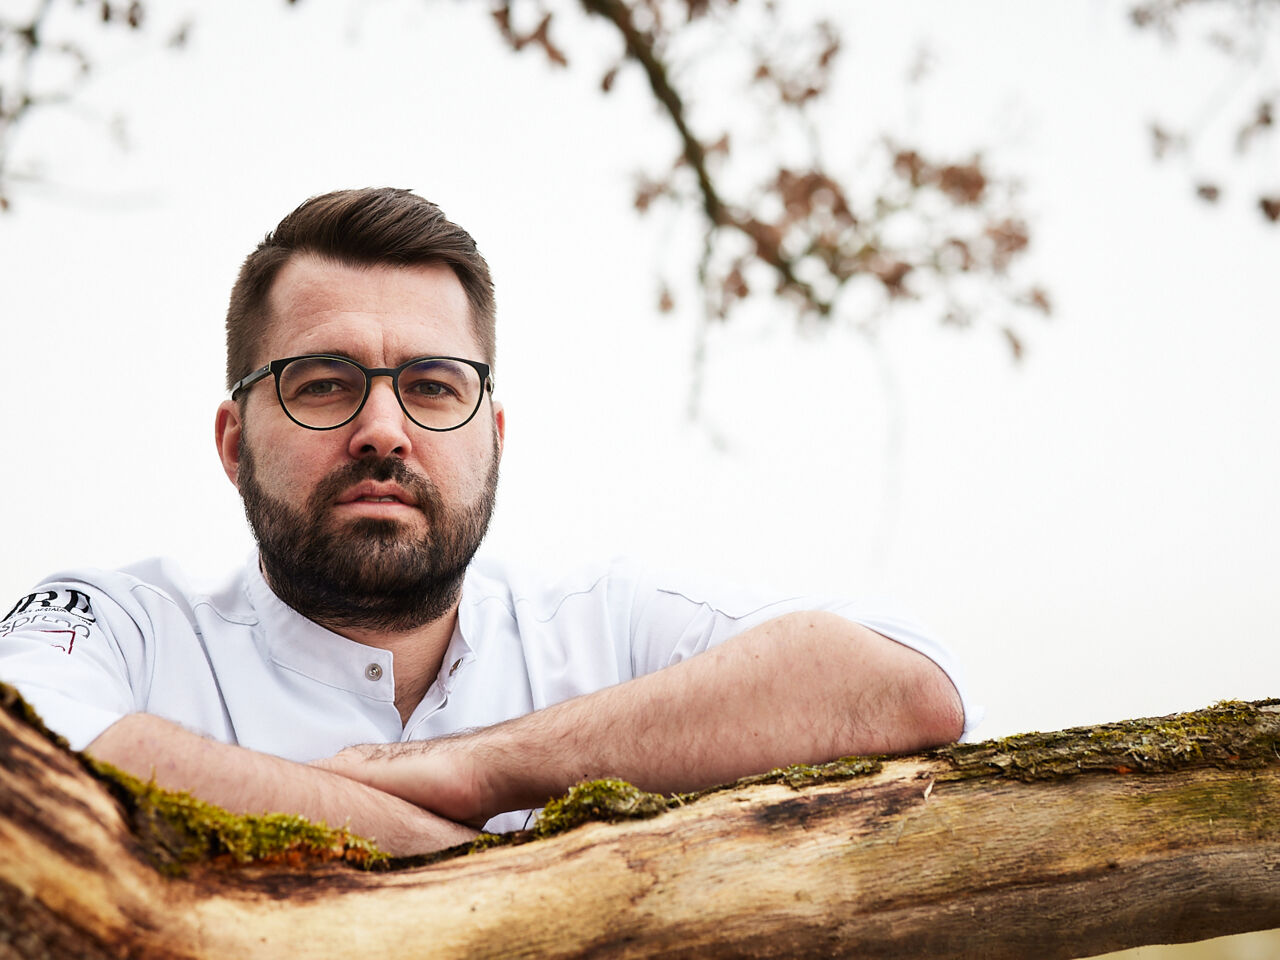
[[438, 384], [430, 388], [320, 388], [315, 380]]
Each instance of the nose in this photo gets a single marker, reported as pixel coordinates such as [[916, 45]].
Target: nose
[[381, 427]]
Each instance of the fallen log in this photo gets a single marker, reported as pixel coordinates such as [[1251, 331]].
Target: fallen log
[[1065, 844]]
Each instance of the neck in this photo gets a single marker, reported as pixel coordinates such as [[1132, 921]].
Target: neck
[[419, 654], [418, 650]]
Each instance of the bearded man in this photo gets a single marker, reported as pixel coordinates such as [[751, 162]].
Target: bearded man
[[363, 667]]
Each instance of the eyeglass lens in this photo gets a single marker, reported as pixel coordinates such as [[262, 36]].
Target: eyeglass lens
[[326, 391]]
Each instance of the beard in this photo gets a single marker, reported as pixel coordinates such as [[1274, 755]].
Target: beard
[[371, 573]]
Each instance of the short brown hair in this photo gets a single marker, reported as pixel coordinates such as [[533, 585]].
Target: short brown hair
[[360, 228]]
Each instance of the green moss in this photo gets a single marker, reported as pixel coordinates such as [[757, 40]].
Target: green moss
[[800, 775], [1230, 733], [177, 829], [797, 776], [485, 841], [598, 800]]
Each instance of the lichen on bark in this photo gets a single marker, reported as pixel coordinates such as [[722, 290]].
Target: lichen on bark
[[1228, 734]]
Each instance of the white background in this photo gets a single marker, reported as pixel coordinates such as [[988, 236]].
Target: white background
[[1093, 530]]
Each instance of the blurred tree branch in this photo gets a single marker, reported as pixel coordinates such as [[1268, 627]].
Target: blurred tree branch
[[775, 220], [906, 224], [1247, 34], [40, 69]]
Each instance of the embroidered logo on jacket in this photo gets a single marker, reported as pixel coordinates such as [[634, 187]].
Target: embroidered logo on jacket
[[69, 601], [60, 616]]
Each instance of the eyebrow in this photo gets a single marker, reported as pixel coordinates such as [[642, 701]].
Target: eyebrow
[[348, 355]]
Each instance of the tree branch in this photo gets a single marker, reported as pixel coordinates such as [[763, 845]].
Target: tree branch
[[766, 240], [1053, 845]]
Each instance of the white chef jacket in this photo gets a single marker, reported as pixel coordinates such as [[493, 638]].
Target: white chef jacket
[[237, 664]]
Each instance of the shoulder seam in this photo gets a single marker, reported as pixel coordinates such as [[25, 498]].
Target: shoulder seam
[[565, 598]]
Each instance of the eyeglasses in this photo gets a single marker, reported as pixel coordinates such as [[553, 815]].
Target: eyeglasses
[[324, 392]]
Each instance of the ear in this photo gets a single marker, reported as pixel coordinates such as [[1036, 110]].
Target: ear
[[227, 430], [500, 424]]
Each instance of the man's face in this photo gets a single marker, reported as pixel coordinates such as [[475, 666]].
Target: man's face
[[370, 525]]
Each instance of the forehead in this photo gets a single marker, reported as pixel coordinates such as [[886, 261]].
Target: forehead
[[380, 315]]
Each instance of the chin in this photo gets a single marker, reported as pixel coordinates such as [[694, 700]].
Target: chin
[[378, 529]]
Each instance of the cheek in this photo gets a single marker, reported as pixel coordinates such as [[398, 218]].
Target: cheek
[[284, 461], [459, 470]]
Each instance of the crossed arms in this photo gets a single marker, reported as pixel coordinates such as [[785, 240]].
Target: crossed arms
[[805, 687]]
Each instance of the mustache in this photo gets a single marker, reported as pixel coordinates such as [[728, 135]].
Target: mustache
[[381, 470]]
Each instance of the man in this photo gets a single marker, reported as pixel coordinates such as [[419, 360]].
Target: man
[[362, 669]]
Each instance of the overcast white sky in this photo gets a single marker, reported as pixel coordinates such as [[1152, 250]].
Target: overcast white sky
[[1093, 531]]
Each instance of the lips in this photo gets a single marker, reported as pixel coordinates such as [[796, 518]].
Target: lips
[[371, 491]]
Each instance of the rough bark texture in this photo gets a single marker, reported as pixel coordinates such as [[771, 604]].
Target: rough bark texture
[[1047, 845]]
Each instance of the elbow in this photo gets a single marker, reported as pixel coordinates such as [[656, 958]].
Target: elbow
[[934, 713]]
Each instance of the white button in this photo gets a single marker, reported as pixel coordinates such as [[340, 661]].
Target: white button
[[373, 672]]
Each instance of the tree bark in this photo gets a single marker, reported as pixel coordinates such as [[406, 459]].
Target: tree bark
[[1048, 845]]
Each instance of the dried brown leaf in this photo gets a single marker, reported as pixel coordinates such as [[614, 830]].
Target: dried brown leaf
[[1008, 237], [1015, 343], [647, 191], [1263, 118], [832, 48], [1038, 298], [1165, 142], [767, 237], [541, 37], [1209, 192], [892, 274], [912, 167], [720, 148], [735, 284], [963, 183]]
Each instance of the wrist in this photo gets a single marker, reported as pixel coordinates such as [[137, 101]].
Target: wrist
[[509, 767]]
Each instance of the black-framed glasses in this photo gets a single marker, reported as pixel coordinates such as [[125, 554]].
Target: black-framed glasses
[[321, 391]]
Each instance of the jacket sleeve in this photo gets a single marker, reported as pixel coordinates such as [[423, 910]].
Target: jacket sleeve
[[674, 620], [75, 654]]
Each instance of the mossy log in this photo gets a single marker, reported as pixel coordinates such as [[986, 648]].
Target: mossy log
[[1045, 845]]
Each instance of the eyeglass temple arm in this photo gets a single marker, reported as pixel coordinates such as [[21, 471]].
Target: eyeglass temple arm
[[250, 380]]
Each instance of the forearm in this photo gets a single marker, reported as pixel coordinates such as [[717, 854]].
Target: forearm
[[803, 688], [245, 781]]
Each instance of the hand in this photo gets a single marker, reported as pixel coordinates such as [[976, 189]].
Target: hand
[[436, 775], [419, 832]]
